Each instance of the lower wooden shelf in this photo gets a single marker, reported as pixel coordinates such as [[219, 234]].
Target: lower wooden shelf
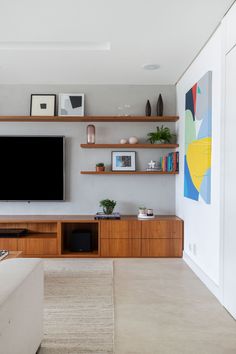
[[128, 173]]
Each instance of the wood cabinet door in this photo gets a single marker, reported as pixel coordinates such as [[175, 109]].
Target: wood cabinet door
[[121, 247], [162, 229], [9, 244], [120, 229], [162, 248], [38, 246]]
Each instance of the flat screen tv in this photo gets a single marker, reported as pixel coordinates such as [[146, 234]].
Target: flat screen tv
[[32, 168]]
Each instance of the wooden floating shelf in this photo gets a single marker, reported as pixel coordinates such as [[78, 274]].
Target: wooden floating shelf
[[113, 119], [129, 146], [128, 173]]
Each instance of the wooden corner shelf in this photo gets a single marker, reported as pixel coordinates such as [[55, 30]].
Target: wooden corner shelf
[[128, 173], [112, 119], [129, 146]]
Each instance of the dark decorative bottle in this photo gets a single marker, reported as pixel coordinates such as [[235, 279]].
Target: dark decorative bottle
[[160, 106], [148, 109]]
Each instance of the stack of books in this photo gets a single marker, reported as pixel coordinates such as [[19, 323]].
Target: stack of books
[[170, 162], [103, 216]]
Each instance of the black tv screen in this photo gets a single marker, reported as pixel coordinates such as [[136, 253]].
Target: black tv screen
[[32, 168]]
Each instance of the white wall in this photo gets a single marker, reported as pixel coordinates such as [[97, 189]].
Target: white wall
[[229, 186], [202, 221], [83, 192]]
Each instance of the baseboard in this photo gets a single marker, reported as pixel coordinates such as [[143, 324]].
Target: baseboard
[[210, 284]]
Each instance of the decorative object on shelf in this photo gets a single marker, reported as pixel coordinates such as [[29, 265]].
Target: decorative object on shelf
[[148, 109], [100, 167], [108, 206], [153, 166], [198, 140], [43, 105], [90, 134], [160, 106], [161, 136], [142, 210], [144, 213], [71, 104], [123, 160], [133, 140], [123, 141]]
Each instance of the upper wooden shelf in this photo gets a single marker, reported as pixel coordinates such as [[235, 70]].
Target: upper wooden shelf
[[129, 146], [57, 119]]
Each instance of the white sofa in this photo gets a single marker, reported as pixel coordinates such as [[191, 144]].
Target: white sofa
[[21, 305]]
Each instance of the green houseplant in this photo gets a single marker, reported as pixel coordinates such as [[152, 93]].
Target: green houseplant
[[108, 206], [100, 167], [161, 135]]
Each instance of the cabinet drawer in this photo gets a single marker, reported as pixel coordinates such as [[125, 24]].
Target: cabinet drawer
[[8, 244], [161, 229], [162, 248], [120, 229], [121, 247], [38, 246]]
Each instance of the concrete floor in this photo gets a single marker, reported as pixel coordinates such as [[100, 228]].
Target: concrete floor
[[161, 307]]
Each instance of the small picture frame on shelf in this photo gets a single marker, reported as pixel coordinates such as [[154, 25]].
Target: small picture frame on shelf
[[123, 160], [43, 105], [71, 104]]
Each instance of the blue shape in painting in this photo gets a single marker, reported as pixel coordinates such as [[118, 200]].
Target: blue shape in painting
[[205, 191], [205, 128], [189, 189], [189, 102]]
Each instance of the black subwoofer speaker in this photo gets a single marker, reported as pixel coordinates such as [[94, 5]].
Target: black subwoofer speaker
[[80, 241]]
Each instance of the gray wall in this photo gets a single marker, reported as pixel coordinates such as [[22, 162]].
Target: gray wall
[[83, 192]]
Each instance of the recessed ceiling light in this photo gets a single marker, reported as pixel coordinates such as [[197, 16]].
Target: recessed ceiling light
[[57, 45], [151, 66]]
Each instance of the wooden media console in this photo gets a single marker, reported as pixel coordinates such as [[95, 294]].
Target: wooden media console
[[129, 237]]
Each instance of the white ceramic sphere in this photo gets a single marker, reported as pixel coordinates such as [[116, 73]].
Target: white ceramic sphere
[[123, 141], [133, 140]]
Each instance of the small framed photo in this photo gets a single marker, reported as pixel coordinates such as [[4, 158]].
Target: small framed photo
[[123, 160], [43, 105], [71, 104]]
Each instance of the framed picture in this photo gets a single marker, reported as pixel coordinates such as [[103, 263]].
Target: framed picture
[[71, 104], [123, 160], [43, 105]]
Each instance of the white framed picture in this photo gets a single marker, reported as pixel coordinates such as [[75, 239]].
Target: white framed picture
[[43, 105], [71, 104], [123, 160]]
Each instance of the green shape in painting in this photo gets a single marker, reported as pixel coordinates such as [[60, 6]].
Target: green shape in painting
[[190, 130]]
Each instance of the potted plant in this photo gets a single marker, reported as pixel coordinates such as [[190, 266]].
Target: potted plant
[[161, 136], [108, 206], [100, 167]]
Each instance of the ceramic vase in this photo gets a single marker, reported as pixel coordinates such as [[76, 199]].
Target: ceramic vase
[[160, 106], [90, 134]]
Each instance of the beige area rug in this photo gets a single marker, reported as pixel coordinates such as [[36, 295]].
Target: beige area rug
[[79, 309]]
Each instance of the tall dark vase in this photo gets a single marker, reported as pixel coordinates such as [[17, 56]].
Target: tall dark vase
[[148, 109], [160, 106]]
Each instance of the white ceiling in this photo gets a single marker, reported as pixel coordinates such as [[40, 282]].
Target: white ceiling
[[74, 37]]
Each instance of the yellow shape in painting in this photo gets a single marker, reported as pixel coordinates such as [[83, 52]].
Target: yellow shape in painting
[[199, 160]]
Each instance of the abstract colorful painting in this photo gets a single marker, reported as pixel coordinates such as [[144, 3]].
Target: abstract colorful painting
[[198, 135]]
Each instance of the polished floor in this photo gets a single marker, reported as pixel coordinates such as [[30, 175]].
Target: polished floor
[[161, 307]]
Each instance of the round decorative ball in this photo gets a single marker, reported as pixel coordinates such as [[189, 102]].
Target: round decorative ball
[[133, 140], [123, 141]]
